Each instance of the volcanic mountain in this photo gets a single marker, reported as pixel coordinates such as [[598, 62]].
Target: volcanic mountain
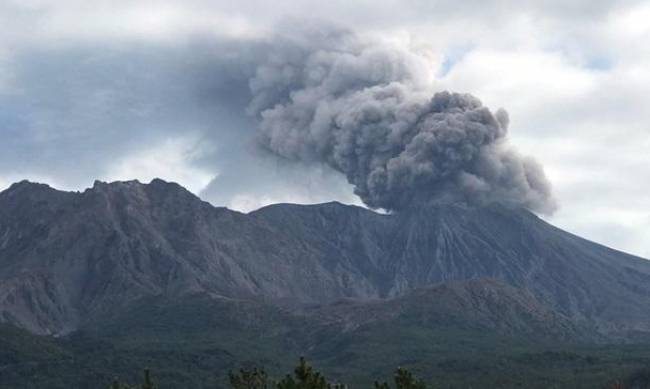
[[69, 259]]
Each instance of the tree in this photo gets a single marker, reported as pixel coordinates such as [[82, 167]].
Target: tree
[[117, 385], [306, 378], [404, 379], [148, 384], [249, 379]]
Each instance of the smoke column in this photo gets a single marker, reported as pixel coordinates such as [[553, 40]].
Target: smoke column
[[365, 109]]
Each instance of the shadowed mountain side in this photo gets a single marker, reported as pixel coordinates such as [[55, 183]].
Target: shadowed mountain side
[[485, 305], [480, 304], [69, 258]]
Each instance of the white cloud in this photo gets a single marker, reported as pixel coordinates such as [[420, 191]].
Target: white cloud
[[171, 159], [587, 125], [574, 76], [268, 181]]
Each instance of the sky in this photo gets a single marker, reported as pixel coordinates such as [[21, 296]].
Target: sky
[[119, 90]]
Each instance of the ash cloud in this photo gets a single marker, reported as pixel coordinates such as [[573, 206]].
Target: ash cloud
[[365, 109]]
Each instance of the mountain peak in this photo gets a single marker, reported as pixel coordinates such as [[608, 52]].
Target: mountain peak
[[156, 187], [26, 185], [330, 205], [121, 241], [98, 184]]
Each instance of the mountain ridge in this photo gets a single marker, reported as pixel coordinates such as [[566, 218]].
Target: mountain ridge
[[69, 257]]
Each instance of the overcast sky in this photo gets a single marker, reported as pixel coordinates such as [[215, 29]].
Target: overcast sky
[[116, 90]]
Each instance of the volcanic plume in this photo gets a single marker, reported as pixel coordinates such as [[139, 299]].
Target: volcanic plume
[[365, 109]]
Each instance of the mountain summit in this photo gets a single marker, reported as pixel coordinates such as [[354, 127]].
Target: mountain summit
[[69, 258]]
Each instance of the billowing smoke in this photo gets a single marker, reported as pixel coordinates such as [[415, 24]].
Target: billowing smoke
[[365, 109]]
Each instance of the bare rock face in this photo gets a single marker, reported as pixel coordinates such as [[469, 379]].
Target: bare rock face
[[67, 257]]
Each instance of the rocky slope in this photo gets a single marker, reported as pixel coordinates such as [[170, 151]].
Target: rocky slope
[[67, 258], [479, 304]]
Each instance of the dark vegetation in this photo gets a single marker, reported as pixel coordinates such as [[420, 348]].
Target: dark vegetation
[[306, 377], [442, 360]]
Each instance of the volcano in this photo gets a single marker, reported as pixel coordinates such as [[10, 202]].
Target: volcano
[[69, 258]]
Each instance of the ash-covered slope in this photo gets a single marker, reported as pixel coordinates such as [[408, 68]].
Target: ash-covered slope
[[441, 243], [480, 304], [67, 258]]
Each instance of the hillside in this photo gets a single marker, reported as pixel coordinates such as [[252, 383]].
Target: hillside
[[67, 258]]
